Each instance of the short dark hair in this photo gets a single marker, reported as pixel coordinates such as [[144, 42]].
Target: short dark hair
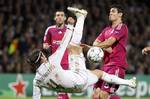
[[60, 10], [34, 58], [118, 7]]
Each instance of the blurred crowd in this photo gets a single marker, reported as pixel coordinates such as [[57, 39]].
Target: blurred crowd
[[23, 23]]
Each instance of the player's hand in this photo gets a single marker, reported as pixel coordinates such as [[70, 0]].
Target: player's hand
[[146, 50], [71, 20]]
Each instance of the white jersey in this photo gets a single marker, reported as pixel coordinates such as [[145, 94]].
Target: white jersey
[[54, 78], [51, 75]]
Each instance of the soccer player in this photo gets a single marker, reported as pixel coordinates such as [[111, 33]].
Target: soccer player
[[52, 38], [113, 39], [51, 75], [146, 50]]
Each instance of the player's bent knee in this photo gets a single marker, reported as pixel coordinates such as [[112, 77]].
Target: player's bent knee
[[103, 94], [98, 73]]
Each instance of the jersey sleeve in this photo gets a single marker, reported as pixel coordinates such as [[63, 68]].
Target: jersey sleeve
[[36, 90], [47, 36], [119, 33]]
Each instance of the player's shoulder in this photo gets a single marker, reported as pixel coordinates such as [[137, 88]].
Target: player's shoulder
[[122, 26], [106, 28], [50, 28]]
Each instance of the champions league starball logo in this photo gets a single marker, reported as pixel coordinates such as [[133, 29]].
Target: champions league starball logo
[[19, 87]]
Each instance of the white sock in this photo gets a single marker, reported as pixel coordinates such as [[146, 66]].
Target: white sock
[[114, 79], [78, 31]]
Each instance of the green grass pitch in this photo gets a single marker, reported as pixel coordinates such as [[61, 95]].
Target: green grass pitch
[[71, 98]]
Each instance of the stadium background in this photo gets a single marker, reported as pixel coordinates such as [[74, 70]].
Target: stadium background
[[23, 23]]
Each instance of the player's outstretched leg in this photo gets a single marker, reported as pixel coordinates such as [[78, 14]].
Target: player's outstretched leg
[[78, 30], [114, 79], [56, 57], [75, 51]]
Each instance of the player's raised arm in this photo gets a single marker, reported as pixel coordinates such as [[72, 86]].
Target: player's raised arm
[[36, 90]]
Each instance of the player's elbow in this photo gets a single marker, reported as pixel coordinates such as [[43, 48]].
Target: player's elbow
[[35, 82], [109, 44]]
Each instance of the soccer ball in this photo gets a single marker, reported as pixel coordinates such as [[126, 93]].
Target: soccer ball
[[95, 54]]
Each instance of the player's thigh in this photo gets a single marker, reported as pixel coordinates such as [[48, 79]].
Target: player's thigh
[[69, 78], [66, 78], [92, 78], [98, 73]]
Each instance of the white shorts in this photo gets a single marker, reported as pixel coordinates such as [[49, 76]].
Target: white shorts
[[81, 79], [77, 76]]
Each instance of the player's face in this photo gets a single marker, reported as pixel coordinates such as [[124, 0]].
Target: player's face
[[114, 14], [71, 20], [60, 17]]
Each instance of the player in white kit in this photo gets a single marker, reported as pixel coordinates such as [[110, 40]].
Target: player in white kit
[[50, 74]]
